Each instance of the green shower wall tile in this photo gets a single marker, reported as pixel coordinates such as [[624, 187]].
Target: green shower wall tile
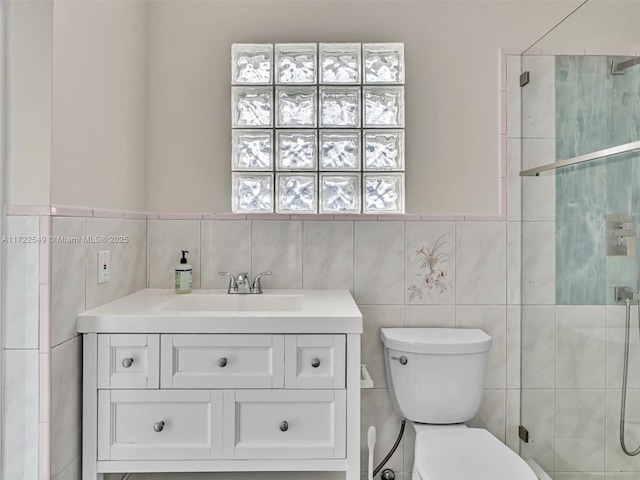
[[594, 110]]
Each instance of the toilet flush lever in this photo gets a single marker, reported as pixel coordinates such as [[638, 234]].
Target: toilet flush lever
[[403, 360]]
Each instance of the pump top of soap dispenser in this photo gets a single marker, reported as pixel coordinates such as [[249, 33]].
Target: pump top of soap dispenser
[[184, 258]]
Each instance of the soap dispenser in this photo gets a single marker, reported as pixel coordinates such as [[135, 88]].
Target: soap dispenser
[[184, 275]]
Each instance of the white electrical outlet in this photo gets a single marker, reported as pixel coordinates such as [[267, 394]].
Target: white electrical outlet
[[104, 266]]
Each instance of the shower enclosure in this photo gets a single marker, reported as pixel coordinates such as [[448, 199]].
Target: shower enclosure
[[579, 241]]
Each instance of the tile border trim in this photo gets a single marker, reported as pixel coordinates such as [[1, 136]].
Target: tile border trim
[[46, 211]]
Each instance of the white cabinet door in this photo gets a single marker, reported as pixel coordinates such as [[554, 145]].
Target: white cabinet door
[[128, 361], [222, 361], [159, 425], [284, 424], [315, 361]]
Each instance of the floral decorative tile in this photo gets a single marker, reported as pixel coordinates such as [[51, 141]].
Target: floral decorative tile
[[430, 262]]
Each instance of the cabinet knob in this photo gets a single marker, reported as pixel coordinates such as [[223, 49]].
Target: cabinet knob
[[222, 362], [158, 427], [315, 363], [284, 426], [127, 362]]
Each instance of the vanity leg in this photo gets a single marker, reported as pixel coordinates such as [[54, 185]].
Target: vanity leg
[[90, 408], [353, 407]]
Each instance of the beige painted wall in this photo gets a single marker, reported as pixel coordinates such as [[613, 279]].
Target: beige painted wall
[[99, 104], [28, 100], [452, 73], [598, 27], [125, 104]]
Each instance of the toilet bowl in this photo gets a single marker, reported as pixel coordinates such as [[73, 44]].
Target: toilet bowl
[[471, 453], [436, 380]]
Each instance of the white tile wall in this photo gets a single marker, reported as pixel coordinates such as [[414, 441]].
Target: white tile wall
[[20, 422], [538, 120], [327, 261], [538, 415], [134, 256], [493, 320], [514, 263], [226, 247], [582, 476], [512, 420], [539, 263], [99, 294], [374, 318], [491, 414], [514, 333], [481, 263], [422, 316], [379, 263], [514, 181], [538, 193], [616, 320], [66, 403], [580, 443], [276, 246], [514, 104], [167, 238], [21, 282], [538, 347], [376, 410], [615, 458], [71, 471], [580, 346], [68, 278]]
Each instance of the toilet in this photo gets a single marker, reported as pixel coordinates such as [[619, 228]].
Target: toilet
[[436, 380]]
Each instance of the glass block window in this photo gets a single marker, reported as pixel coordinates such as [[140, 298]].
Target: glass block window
[[318, 127]]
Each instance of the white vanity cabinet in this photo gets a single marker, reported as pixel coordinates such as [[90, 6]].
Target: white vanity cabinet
[[159, 424], [161, 398], [222, 361]]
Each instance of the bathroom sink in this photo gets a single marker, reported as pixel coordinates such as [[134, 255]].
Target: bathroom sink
[[216, 311], [228, 303]]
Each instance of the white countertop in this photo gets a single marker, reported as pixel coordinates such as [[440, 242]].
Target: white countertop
[[159, 311]]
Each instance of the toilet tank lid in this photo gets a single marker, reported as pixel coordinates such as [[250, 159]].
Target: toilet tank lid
[[436, 340]]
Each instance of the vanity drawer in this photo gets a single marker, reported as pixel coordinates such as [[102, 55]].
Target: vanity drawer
[[222, 361], [159, 424], [315, 361], [128, 361], [284, 424]]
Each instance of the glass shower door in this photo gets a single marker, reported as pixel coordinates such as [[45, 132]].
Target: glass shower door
[[572, 325]]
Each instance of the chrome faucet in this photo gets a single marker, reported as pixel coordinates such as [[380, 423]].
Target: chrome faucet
[[243, 279], [257, 285]]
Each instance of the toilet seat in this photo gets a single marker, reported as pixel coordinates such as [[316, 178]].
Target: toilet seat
[[466, 454]]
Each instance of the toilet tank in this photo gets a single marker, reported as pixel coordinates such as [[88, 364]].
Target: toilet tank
[[436, 375]]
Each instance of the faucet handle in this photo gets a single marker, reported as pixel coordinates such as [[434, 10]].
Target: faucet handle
[[257, 285], [233, 286]]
